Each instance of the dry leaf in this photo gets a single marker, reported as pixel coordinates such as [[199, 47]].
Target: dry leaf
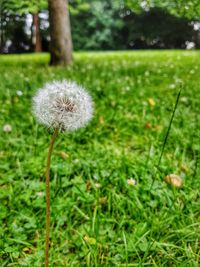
[[151, 102], [184, 168], [88, 185], [174, 180], [102, 200], [101, 120], [63, 155], [148, 125], [89, 240], [157, 127]]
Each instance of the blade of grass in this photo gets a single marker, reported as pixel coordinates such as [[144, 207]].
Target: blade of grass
[[169, 127], [166, 137]]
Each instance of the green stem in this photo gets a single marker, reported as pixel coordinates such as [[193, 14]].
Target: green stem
[[169, 127], [47, 175]]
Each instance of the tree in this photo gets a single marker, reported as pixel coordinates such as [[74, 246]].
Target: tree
[[60, 32], [27, 6]]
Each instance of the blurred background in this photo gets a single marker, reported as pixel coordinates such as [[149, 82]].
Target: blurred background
[[103, 25]]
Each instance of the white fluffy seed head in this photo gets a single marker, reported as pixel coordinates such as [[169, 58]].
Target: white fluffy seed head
[[63, 104]]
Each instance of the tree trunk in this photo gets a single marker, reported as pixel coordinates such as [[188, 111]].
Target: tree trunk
[[36, 40], [2, 17], [60, 32]]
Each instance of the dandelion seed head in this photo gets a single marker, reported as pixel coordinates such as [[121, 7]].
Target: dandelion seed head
[[63, 104], [7, 128], [19, 92]]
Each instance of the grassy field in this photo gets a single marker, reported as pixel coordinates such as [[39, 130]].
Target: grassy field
[[97, 217]]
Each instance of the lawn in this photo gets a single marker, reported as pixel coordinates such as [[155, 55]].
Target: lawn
[[97, 217]]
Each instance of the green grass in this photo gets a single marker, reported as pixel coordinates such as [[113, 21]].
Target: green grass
[[97, 219]]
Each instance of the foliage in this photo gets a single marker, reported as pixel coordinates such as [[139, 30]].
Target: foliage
[[98, 219], [13, 23], [14, 31], [77, 6], [157, 28], [23, 6], [107, 27], [97, 27], [183, 8]]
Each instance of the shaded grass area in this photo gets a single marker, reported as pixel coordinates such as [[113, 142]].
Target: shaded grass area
[[97, 218]]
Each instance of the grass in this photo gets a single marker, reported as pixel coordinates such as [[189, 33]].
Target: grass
[[97, 218]]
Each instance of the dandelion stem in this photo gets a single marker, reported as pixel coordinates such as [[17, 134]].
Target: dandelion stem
[[47, 175]]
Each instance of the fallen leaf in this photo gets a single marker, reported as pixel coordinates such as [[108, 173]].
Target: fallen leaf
[[63, 155], [88, 185], [157, 127], [174, 180], [102, 200], [148, 125], [101, 120], [89, 240], [184, 168], [151, 102]]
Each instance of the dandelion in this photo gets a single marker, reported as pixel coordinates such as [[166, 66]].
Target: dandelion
[[19, 92], [61, 106], [97, 185], [7, 128]]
